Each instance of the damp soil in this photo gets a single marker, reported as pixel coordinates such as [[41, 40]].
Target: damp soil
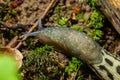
[[31, 10]]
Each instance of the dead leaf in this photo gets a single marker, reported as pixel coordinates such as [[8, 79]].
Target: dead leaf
[[14, 53]]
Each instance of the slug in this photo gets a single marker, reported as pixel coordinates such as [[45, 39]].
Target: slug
[[78, 44]]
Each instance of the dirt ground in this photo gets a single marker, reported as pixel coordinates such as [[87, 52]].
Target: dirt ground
[[31, 10]]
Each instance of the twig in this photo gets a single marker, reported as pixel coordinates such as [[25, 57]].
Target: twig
[[36, 24], [14, 26], [111, 9], [12, 42], [48, 8]]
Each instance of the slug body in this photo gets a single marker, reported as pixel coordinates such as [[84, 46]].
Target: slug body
[[80, 45]]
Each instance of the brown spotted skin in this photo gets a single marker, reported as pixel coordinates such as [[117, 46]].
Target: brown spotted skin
[[78, 44]]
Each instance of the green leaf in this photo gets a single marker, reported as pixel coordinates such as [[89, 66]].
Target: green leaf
[[8, 68], [63, 21], [98, 33], [73, 65]]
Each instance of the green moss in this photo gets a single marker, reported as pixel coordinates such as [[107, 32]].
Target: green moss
[[96, 24], [30, 43], [58, 10], [77, 28], [42, 49], [73, 65], [42, 76], [41, 64], [62, 21], [93, 3], [79, 78], [80, 16], [95, 20]]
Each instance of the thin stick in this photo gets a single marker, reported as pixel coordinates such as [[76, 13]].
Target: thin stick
[[36, 24], [48, 8], [12, 42]]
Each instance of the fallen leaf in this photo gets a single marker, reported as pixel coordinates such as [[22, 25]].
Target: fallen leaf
[[14, 53]]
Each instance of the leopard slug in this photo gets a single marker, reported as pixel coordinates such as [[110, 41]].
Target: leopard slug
[[78, 44]]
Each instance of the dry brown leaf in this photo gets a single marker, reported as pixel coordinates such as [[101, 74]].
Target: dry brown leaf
[[14, 53]]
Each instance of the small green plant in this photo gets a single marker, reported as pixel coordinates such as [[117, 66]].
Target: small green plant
[[98, 34], [8, 68], [1, 45], [62, 21], [42, 49], [93, 3], [77, 28], [95, 20], [58, 10], [80, 17], [96, 23], [30, 43], [79, 77], [73, 65]]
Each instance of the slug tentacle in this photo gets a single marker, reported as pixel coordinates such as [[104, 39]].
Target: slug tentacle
[[36, 32], [30, 34], [40, 24]]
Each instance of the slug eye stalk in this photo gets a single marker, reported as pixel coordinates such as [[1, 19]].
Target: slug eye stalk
[[40, 27], [30, 34], [36, 32]]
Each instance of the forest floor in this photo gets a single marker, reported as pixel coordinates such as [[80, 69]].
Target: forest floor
[[43, 62]]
